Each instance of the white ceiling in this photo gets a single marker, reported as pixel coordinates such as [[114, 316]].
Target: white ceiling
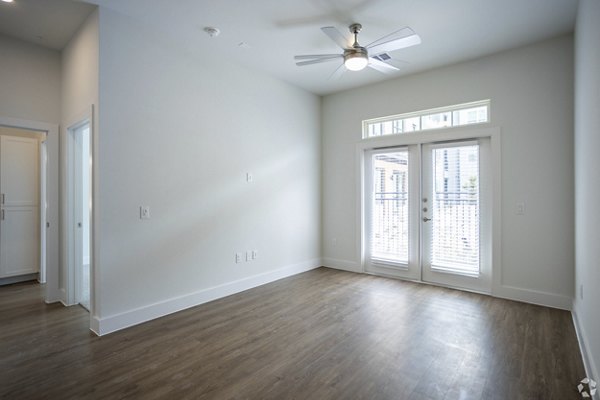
[[275, 30], [49, 23]]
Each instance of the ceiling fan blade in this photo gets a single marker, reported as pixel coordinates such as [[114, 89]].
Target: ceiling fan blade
[[316, 61], [315, 56], [336, 36], [400, 39], [338, 72], [381, 66], [399, 34]]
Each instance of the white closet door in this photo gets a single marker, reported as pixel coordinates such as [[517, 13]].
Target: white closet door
[[19, 253], [19, 188]]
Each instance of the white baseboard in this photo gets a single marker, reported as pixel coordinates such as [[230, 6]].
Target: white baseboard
[[533, 297], [505, 292], [53, 296], [105, 325], [344, 265], [63, 297], [591, 369], [95, 325]]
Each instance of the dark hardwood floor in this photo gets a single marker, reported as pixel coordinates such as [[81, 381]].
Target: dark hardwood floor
[[324, 334]]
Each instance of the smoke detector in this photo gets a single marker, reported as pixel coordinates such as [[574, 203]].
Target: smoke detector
[[212, 31]]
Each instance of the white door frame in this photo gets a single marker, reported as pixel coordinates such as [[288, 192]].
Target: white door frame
[[72, 285], [49, 227], [420, 138]]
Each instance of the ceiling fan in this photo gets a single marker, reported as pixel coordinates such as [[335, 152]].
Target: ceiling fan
[[357, 57]]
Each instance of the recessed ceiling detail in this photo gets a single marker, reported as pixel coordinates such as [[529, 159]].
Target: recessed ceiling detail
[[48, 23]]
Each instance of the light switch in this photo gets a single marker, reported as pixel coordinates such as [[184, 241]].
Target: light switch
[[520, 208], [254, 254], [238, 258], [249, 177], [144, 212]]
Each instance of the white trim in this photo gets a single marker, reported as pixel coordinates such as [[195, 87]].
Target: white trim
[[343, 265], [43, 196], [51, 273], [69, 246], [70, 293], [591, 369], [533, 297], [103, 326]]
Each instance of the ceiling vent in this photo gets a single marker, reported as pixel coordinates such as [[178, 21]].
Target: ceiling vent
[[382, 57]]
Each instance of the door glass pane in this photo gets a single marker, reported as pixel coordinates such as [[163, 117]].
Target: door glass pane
[[455, 210], [389, 220]]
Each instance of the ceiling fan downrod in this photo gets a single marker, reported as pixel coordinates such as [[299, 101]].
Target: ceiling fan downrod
[[355, 30]]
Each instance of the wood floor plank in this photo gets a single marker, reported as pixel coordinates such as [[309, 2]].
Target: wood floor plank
[[324, 334]]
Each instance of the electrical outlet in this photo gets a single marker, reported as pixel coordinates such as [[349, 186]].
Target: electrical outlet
[[248, 255], [238, 258], [254, 254], [144, 212], [520, 208]]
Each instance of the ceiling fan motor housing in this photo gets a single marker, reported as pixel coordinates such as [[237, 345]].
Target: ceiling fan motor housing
[[356, 58]]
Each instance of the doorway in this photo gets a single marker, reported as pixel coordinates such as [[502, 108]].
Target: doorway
[[80, 200], [428, 213]]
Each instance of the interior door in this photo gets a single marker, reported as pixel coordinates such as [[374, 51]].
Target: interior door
[[19, 198], [455, 214]]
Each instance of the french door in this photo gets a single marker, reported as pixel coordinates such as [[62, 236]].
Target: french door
[[428, 214]]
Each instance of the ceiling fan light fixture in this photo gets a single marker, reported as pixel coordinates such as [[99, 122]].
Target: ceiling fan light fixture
[[356, 60]]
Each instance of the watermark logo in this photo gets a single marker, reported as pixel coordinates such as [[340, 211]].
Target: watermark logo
[[587, 388]]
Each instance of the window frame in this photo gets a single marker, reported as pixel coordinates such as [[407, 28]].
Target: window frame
[[368, 124]]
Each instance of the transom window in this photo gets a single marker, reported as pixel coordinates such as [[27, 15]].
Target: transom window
[[458, 115]]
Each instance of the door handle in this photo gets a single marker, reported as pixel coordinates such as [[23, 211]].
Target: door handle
[[425, 219], [79, 224]]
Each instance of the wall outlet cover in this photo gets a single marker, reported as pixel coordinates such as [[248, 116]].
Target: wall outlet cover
[[144, 212]]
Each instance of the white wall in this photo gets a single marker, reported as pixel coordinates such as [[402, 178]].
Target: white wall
[[29, 81], [587, 183], [178, 134], [531, 101], [79, 93], [30, 97]]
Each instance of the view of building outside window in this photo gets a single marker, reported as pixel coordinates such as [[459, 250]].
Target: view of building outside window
[[389, 230], [455, 209]]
